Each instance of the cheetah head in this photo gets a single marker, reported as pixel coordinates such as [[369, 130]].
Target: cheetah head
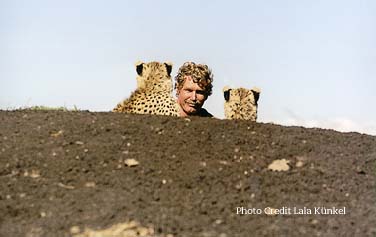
[[241, 103], [154, 76], [241, 93]]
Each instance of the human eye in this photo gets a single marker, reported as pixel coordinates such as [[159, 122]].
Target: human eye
[[200, 92]]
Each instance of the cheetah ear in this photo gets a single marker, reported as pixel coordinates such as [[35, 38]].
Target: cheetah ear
[[256, 93], [139, 67], [226, 92], [168, 68]]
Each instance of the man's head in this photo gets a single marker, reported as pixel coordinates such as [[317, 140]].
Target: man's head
[[193, 85]]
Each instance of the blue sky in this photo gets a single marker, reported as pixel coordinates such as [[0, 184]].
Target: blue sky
[[313, 60]]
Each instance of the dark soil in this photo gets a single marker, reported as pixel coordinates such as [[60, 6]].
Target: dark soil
[[62, 172]]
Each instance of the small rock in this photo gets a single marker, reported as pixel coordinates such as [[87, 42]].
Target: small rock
[[279, 165], [57, 134], [90, 184], [65, 186], [314, 222], [75, 230], [218, 222], [299, 164], [79, 143], [239, 185], [131, 162], [35, 174], [271, 212], [223, 162]]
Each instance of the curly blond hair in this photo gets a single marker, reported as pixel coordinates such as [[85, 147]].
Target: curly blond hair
[[200, 73]]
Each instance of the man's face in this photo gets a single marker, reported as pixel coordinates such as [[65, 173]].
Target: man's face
[[191, 97]]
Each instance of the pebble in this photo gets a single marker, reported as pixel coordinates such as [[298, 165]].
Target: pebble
[[34, 174], [203, 163], [75, 230], [314, 222], [90, 184], [279, 165], [299, 164], [131, 162]]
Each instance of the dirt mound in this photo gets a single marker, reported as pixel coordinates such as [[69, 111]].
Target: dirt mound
[[107, 174]]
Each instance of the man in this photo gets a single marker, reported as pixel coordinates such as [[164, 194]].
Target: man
[[193, 85]]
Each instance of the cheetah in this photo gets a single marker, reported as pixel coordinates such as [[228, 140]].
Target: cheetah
[[241, 103], [154, 91]]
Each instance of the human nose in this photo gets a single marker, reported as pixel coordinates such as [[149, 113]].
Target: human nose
[[193, 95]]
